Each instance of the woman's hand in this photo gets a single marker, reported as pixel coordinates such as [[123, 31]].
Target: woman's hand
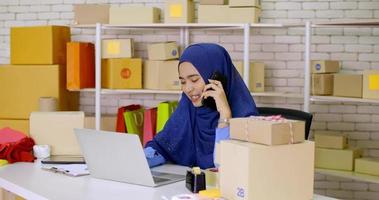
[[219, 96]]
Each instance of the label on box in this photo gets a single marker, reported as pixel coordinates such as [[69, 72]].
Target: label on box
[[113, 47], [373, 81], [125, 73], [176, 10], [174, 52]]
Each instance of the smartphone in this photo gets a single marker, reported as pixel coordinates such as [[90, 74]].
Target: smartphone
[[210, 102]]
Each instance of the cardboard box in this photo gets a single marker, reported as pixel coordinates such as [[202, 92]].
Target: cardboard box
[[80, 65], [325, 66], [179, 11], [330, 140], [253, 171], [57, 130], [245, 3], [322, 84], [256, 77], [213, 14], [213, 2], [347, 85], [107, 122], [91, 14], [339, 159], [161, 75], [121, 73], [244, 15], [367, 166], [134, 15], [39, 45], [163, 51], [264, 131], [21, 125], [21, 87], [117, 48], [371, 84]]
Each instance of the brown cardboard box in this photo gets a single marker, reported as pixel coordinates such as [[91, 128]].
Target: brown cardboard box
[[245, 3], [213, 2], [57, 130], [330, 140], [244, 15], [371, 84], [163, 51], [107, 122], [253, 171], [21, 125], [121, 73], [22, 86], [91, 14], [367, 166], [347, 85], [45, 45], [161, 75], [213, 14], [256, 77], [179, 11], [325, 66], [254, 129], [339, 159], [322, 84], [134, 15], [117, 48]]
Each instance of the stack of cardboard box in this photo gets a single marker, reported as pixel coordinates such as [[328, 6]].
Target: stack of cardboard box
[[332, 151], [134, 15], [264, 153], [38, 69], [119, 70], [322, 76], [234, 11], [256, 75], [161, 68]]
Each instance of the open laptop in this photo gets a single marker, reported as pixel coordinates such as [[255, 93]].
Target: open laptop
[[119, 157]]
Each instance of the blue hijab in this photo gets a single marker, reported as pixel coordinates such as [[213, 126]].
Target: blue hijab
[[189, 135]]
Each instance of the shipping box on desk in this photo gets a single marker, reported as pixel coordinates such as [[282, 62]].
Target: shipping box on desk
[[161, 75], [371, 84], [325, 66], [80, 65], [117, 48], [338, 159], [252, 171], [179, 11], [21, 125], [244, 15], [267, 132], [322, 84], [213, 14], [107, 122], [39, 45], [256, 75], [21, 86], [367, 166], [134, 15], [163, 51], [91, 14], [347, 85], [121, 73], [330, 140]]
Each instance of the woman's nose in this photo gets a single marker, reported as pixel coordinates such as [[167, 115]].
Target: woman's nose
[[188, 88]]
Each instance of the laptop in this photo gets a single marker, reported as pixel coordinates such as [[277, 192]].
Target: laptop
[[119, 157]]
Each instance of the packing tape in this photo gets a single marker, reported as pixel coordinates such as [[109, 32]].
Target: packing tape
[[47, 104], [41, 151]]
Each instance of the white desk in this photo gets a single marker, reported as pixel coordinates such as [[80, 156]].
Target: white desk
[[29, 181]]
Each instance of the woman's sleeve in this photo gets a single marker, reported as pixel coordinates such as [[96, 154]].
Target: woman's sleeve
[[153, 157], [221, 134]]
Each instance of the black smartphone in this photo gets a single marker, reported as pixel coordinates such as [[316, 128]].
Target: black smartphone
[[210, 102], [63, 160]]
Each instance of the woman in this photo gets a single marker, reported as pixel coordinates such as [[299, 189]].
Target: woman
[[189, 135]]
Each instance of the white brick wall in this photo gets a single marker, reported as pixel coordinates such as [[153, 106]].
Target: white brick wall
[[280, 49]]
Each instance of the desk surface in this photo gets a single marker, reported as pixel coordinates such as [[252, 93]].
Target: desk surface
[[31, 182]]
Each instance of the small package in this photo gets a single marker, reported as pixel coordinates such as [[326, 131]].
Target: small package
[[121, 73], [347, 85], [325, 66], [213, 13], [161, 75], [244, 15], [371, 84], [91, 13], [163, 51], [330, 140], [271, 130], [322, 84], [339, 159], [134, 15], [367, 166], [245, 3], [179, 11], [213, 2], [256, 75], [107, 122], [117, 48]]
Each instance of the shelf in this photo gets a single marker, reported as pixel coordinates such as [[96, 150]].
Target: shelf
[[343, 99], [355, 23], [276, 94], [349, 175]]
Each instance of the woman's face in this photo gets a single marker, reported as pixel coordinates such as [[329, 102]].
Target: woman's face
[[192, 83]]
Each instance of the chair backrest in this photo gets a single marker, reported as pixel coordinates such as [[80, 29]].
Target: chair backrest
[[289, 114]]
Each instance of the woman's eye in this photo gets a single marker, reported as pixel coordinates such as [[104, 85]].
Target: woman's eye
[[194, 80], [182, 82]]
